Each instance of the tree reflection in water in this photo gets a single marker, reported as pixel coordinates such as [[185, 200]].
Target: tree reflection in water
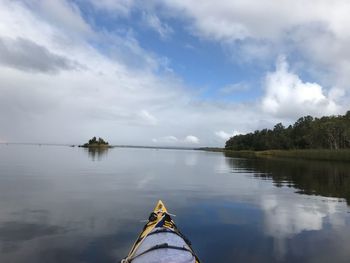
[[97, 153], [330, 179]]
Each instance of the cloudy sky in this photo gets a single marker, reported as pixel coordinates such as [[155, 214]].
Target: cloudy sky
[[168, 72]]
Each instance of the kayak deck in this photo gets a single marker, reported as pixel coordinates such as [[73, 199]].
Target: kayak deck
[[161, 241]]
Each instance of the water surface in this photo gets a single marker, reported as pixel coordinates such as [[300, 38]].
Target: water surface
[[63, 204]]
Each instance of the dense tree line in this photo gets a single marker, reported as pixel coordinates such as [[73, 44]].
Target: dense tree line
[[331, 132]]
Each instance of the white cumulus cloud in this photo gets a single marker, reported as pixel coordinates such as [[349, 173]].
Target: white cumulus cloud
[[254, 30], [223, 135], [65, 79], [286, 95], [191, 139]]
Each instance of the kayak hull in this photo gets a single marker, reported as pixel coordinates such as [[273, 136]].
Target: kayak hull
[[161, 242]]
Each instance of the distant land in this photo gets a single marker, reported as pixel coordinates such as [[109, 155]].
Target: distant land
[[325, 138], [326, 133], [110, 146]]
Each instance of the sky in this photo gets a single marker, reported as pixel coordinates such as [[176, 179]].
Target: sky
[[169, 73]]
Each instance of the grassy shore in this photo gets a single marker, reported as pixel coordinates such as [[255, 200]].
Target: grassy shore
[[316, 154]]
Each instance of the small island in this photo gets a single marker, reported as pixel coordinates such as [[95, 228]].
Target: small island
[[94, 143]]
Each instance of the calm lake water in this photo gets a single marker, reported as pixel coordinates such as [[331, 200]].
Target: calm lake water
[[62, 204]]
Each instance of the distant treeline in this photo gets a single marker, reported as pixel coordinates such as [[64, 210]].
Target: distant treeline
[[331, 132]]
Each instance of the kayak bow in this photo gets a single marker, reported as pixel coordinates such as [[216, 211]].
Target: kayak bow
[[161, 242]]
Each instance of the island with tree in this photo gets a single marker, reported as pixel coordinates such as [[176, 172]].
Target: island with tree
[[96, 143]]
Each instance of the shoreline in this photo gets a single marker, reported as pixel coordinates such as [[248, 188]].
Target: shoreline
[[95, 146], [306, 154], [309, 154]]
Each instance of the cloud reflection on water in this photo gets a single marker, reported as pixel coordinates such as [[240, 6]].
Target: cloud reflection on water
[[286, 214], [285, 218], [237, 211]]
